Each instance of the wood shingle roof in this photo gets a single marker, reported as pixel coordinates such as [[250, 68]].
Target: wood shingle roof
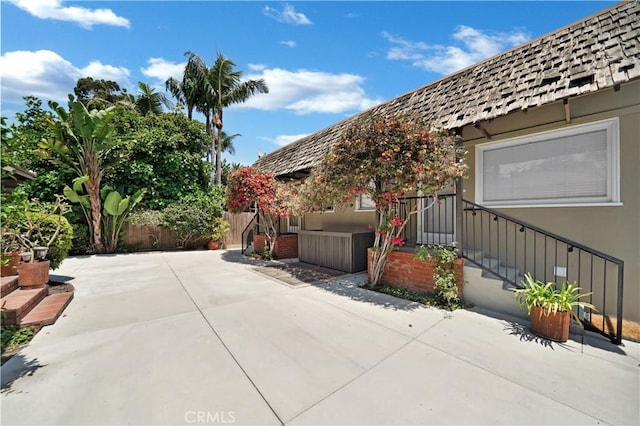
[[599, 52]]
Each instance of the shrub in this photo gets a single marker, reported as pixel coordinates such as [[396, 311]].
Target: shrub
[[37, 224], [59, 248], [192, 217]]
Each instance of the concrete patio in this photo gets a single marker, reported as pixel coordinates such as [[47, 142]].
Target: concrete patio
[[202, 338]]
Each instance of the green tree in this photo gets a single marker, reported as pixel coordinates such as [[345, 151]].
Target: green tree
[[20, 140], [186, 91], [163, 153], [149, 100], [219, 87], [82, 140], [98, 94], [227, 146], [385, 158]]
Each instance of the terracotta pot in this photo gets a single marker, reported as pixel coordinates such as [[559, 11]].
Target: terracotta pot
[[213, 245], [34, 274], [550, 326], [12, 267]]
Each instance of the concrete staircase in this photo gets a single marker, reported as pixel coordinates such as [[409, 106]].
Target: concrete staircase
[[485, 289], [30, 307]]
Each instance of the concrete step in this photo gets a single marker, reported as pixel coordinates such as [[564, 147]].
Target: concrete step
[[48, 310], [8, 285], [19, 303], [489, 293], [505, 271]]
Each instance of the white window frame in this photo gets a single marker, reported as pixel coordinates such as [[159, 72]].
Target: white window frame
[[612, 129], [359, 207]]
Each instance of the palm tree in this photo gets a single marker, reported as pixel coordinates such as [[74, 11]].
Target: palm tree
[[148, 100], [227, 145], [186, 91], [221, 87]]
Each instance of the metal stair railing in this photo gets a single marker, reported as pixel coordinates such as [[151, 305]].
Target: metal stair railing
[[508, 248]]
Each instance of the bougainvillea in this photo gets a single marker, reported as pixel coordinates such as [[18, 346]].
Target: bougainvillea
[[385, 158], [274, 199]]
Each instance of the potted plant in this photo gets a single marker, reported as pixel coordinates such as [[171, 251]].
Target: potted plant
[[219, 231], [10, 257], [550, 307], [45, 236]]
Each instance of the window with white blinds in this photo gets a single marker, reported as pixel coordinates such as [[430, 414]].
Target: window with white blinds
[[575, 165], [365, 203]]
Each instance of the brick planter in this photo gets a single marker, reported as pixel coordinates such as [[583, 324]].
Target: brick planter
[[402, 270], [286, 245]]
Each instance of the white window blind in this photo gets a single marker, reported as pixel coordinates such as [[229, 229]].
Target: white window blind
[[571, 166], [364, 202]]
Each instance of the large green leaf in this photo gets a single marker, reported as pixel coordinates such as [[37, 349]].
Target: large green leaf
[[78, 182], [74, 197], [115, 205]]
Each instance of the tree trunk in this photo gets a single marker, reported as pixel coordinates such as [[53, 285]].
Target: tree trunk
[[93, 190], [92, 169], [219, 149]]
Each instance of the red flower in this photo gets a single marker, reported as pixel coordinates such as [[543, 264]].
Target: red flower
[[397, 241]]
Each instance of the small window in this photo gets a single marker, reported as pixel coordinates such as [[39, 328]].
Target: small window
[[577, 165], [329, 209], [365, 203], [293, 224]]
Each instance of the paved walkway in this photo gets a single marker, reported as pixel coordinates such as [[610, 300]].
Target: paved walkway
[[201, 338]]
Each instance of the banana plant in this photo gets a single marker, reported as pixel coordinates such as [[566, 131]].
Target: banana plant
[[116, 210], [77, 195]]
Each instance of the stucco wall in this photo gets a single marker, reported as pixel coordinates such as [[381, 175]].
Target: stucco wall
[[345, 218], [614, 230]]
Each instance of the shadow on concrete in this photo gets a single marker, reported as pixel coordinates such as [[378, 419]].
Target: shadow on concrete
[[342, 285], [236, 256], [15, 368], [60, 279], [351, 290], [519, 327]]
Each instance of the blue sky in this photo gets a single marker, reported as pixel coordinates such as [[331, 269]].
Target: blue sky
[[322, 61]]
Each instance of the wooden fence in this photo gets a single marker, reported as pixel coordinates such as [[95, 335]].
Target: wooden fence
[[144, 238]]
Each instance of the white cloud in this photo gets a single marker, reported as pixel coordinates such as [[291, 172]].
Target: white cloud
[[287, 15], [86, 18], [305, 92], [47, 75], [289, 43], [283, 140], [473, 46], [161, 69], [257, 67], [97, 69]]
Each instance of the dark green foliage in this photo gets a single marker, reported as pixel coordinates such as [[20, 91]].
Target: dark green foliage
[[98, 94], [192, 217], [445, 276], [429, 299], [13, 336], [20, 140], [60, 247], [39, 221], [164, 154]]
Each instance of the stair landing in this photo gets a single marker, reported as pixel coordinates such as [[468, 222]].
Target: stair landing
[[47, 311], [8, 285], [20, 302], [31, 307]]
